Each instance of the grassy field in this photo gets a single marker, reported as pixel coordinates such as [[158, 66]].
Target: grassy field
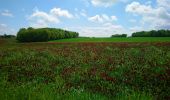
[[85, 71], [130, 39]]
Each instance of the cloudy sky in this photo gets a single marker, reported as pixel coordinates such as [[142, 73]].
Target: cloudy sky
[[100, 18]]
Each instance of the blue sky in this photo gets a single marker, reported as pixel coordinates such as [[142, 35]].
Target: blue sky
[[100, 18]]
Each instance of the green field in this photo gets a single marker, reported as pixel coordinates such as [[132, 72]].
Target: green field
[[130, 39], [85, 71]]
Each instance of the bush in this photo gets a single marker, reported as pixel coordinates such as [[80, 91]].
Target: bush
[[43, 34], [153, 33], [119, 35]]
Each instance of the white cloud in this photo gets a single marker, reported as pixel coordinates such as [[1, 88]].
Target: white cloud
[[61, 13], [156, 17], [96, 18], [114, 18], [5, 29], [44, 16], [105, 17], [137, 8], [39, 23], [43, 19], [136, 29], [106, 3], [102, 18], [6, 13], [3, 25], [80, 13], [102, 30], [83, 13], [164, 3], [139, 28]]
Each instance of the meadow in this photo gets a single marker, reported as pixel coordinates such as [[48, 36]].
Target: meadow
[[116, 39], [87, 69]]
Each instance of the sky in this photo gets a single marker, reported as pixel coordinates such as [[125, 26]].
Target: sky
[[92, 18]]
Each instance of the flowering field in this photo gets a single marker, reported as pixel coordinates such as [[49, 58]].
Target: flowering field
[[84, 71]]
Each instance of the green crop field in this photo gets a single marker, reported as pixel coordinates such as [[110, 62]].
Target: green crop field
[[85, 50], [130, 39], [95, 70]]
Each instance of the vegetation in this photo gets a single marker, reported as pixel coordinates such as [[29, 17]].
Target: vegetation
[[128, 39], [7, 36], [119, 35], [153, 33], [50, 34], [75, 71], [43, 34]]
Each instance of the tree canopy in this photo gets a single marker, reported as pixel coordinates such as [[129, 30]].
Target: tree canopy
[[119, 35], [153, 33], [43, 34]]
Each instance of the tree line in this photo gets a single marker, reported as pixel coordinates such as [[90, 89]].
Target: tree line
[[43, 34], [7, 36], [119, 35], [153, 33]]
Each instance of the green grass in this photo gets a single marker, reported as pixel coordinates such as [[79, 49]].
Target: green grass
[[130, 39], [84, 71]]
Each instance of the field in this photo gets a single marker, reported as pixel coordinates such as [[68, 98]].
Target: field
[[134, 39], [88, 69]]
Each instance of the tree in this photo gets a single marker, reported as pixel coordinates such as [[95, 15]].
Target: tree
[[119, 35], [43, 34], [152, 33]]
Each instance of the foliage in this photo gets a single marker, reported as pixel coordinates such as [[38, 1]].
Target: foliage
[[153, 33], [116, 39], [7, 36], [43, 34], [119, 35], [96, 71]]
